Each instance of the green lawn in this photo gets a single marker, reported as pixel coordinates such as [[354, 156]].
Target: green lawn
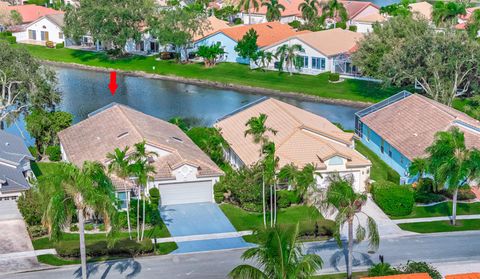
[[356, 275], [442, 209], [379, 170], [234, 73], [441, 226], [42, 168]]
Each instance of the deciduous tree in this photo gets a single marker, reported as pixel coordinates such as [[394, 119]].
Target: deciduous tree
[[247, 46], [210, 54]]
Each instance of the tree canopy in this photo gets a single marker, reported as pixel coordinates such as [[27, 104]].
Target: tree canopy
[[24, 84], [405, 51], [112, 22], [247, 47]]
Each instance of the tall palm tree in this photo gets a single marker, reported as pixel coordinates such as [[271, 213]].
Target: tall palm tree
[[288, 55], [278, 256], [334, 9], [143, 171], [274, 10], [245, 5], [419, 166], [120, 166], [446, 13], [452, 163], [309, 9], [257, 129], [341, 198], [72, 191]]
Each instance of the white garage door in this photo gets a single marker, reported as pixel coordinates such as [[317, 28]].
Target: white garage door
[[187, 192]]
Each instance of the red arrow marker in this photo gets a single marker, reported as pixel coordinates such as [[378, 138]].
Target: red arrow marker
[[113, 82]]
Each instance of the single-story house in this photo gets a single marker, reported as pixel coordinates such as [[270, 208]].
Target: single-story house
[[365, 24], [421, 10], [323, 51], [402, 276], [400, 128], [46, 28], [14, 166], [302, 138], [268, 33], [288, 15], [184, 174]]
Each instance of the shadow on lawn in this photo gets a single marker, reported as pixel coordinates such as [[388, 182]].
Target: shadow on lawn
[[130, 267]]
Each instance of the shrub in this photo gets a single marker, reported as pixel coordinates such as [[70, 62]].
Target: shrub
[[425, 185], [37, 231], [218, 193], [426, 198], [334, 77], [6, 34], [11, 39], [286, 198], [295, 24], [166, 56], [393, 176], [341, 24], [420, 267], [315, 228], [74, 228], [210, 141], [123, 247], [116, 52], [60, 45], [89, 227], [464, 193], [251, 206], [237, 21], [30, 206], [382, 269], [154, 196], [393, 199], [54, 153], [352, 28]]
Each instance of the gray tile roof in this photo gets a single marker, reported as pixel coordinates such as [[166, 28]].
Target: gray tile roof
[[12, 149], [12, 179]]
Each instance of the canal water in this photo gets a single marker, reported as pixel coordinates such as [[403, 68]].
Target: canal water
[[86, 91]]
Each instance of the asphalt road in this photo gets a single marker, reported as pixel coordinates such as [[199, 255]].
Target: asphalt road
[[432, 248]]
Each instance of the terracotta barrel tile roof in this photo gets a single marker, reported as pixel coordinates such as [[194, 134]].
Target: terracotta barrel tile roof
[[423, 9], [120, 126], [410, 124], [302, 137], [475, 275], [32, 12], [214, 25], [403, 276]]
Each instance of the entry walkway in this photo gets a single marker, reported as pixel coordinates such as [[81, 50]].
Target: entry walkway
[[433, 219], [203, 237]]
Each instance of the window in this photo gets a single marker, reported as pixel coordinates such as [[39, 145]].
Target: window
[[368, 134], [318, 63], [302, 61], [44, 35], [382, 148], [60, 35], [32, 34], [390, 151], [123, 198], [335, 161]]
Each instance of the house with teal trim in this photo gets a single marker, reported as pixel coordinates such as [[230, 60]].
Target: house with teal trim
[[400, 128], [268, 33]]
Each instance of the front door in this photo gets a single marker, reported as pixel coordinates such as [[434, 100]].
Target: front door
[[44, 35]]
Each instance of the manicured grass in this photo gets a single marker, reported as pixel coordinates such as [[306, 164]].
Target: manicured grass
[[379, 170], [356, 275], [243, 220], [55, 260], [43, 168], [441, 226], [442, 209], [234, 73]]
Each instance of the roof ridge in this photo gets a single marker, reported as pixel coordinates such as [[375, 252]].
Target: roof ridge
[[295, 130], [121, 107], [441, 107]]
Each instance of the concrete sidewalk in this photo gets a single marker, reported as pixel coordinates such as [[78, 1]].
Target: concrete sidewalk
[[27, 254], [433, 219], [202, 237]]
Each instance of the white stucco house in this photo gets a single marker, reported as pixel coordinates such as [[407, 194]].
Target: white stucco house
[[302, 138], [46, 28], [183, 173], [15, 167], [323, 51]]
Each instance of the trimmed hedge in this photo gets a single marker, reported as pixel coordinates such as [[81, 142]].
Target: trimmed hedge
[[154, 196], [334, 77], [60, 45], [393, 199], [426, 198], [352, 28], [286, 198], [124, 247], [315, 228]]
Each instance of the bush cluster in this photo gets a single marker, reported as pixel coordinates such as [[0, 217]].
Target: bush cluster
[[352, 28], [7, 36], [154, 196], [393, 199], [464, 193], [286, 198], [123, 247], [30, 206], [334, 77], [54, 153], [60, 45], [37, 231], [315, 228]]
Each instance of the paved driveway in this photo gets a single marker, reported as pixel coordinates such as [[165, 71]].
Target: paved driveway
[[200, 219], [13, 239]]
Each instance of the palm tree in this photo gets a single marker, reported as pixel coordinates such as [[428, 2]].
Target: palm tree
[[334, 9], [452, 163], [418, 166], [77, 191], [288, 55], [274, 10], [257, 129], [279, 256], [309, 9], [142, 170], [246, 5], [447, 13], [120, 166], [341, 198]]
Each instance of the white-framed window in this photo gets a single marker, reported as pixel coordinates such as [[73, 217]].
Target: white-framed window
[[123, 199], [303, 61], [335, 161], [318, 63], [32, 34], [60, 35]]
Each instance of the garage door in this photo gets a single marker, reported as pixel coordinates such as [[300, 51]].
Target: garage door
[[187, 192]]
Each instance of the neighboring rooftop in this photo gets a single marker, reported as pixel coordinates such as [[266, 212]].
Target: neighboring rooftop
[[403, 276], [330, 42], [58, 19], [12, 149], [372, 18], [422, 9], [32, 12], [268, 32], [120, 126], [214, 25], [302, 137], [474, 275], [410, 124], [354, 8]]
